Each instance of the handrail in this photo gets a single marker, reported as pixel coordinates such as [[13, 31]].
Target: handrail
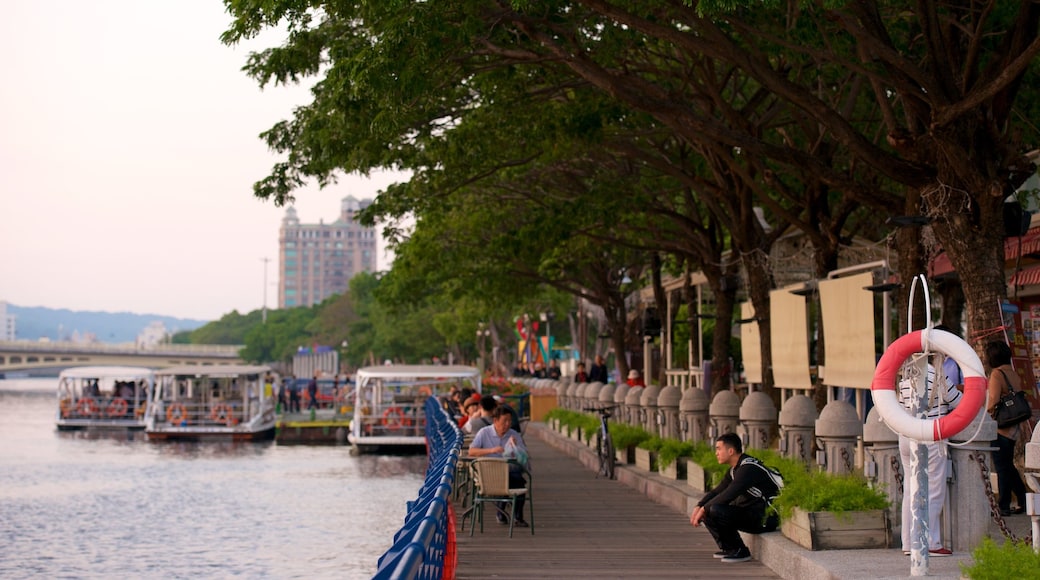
[[421, 546]]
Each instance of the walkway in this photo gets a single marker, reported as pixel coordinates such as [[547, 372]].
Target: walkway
[[592, 528]]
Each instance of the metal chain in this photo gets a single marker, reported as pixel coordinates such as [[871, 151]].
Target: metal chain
[[993, 507], [897, 471], [800, 442], [845, 458]]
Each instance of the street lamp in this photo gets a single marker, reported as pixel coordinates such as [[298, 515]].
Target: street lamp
[[482, 333]]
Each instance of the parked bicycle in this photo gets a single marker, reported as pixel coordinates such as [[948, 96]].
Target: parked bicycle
[[604, 444]]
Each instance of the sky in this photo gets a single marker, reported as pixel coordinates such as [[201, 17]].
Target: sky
[[129, 144]]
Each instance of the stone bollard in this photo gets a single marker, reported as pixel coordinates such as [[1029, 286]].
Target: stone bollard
[[797, 423], [757, 420], [693, 411], [606, 395], [668, 412], [620, 392], [590, 396], [565, 394], [881, 464], [575, 396], [632, 407], [966, 501], [648, 408], [836, 433], [724, 413]]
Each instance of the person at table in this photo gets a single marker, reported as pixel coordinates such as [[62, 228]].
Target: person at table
[[491, 441], [740, 503]]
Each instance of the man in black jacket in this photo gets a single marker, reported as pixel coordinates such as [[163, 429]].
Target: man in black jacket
[[740, 502]]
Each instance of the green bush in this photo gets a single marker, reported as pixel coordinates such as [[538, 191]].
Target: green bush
[[625, 436], [672, 449], [652, 443], [1008, 560], [819, 491], [703, 454]]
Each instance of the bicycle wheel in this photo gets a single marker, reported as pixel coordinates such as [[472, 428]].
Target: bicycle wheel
[[606, 456]]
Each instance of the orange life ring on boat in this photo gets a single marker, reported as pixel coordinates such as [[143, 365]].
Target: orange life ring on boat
[[177, 414], [394, 419], [116, 408], [221, 414], [65, 405], [87, 406]]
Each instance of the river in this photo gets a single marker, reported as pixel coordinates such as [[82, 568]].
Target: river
[[95, 504]]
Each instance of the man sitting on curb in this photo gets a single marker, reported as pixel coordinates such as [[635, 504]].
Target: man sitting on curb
[[740, 503]]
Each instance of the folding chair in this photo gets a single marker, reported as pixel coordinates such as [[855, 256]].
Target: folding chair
[[491, 485]]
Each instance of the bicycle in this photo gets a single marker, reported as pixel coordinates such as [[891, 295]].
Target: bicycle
[[604, 444]]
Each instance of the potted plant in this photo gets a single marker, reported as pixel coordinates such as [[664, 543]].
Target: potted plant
[[703, 471], [646, 453], [626, 438], [672, 456]]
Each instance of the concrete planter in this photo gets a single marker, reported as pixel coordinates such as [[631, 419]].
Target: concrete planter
[[675, 470], [847, 531], [697, 477], [575, 434], [646, 460], [626, 455]]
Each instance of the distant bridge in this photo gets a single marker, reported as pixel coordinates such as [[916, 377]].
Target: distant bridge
[[23, 355]]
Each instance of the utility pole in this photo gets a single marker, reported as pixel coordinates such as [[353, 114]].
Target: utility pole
[[263, 316]]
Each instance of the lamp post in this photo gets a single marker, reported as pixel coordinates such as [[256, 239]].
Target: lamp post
[[482, 333]]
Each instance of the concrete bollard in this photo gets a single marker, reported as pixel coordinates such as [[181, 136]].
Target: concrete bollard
[[723, 413], [590, 396], [757, 420], [797, 424], [966, 500], [632, 408], [668, 412], [620, 392], [606, 395], [836, 432], [693, 411], [648, 408], [565, 395], [881, 463]]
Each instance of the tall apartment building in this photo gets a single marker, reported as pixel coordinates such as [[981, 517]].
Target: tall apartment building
[[7, 327], [316, 261]]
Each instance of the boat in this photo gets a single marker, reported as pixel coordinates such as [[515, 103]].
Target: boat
[[326, 424], [212, 402], [389, 403], [103, 397]]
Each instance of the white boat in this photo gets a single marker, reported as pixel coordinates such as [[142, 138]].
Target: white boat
[[389, 402], [212, 402], [103, 397]]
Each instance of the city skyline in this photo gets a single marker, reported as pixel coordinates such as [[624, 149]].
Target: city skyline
[[130, 151]]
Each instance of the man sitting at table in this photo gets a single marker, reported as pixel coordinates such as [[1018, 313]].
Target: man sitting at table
[[491, 441]]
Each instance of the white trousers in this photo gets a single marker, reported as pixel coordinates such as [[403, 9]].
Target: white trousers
[[937, 474]]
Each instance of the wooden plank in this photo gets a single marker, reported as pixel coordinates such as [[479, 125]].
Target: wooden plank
[[589, 527]]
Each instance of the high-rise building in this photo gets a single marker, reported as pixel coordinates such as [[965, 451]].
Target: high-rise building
[[7, 328], [316, 261]]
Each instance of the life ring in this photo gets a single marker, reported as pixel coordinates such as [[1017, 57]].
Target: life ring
[[87, 407], [394, 419], [65, 405], [883, 387], [177, 414], [116, 408], [221, 414]]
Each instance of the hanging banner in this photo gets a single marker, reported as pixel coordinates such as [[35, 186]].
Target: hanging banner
[[789, 334], [848, 328], [750, 349]]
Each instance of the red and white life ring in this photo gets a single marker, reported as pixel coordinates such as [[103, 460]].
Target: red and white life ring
[[116, 408], [883, 387]]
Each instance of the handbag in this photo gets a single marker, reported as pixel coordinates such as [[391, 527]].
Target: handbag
[[1012, 408]]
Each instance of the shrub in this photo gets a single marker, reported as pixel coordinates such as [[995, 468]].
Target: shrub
[[652, 443], [672, 449], [1008, 560], [625, 436]]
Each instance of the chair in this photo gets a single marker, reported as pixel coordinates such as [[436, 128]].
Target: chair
[[491, 485]]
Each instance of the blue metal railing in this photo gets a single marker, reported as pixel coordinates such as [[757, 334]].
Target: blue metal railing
[[420, 545]]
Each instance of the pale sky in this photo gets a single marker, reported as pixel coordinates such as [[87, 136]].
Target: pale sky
[[128, 149]]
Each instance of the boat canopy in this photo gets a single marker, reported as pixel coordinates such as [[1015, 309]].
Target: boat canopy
[[213, 370], [418, 372], [117, 373]]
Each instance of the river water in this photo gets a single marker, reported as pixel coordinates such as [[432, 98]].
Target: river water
[[91, 505]]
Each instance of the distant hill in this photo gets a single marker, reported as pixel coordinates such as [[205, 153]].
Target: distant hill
[[34, 323]]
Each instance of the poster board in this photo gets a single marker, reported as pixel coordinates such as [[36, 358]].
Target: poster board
[[789, 334], [1022, 326], [848, 327], [750, 348]]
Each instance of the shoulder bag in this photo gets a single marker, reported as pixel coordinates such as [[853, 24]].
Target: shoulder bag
[[1012, 408]]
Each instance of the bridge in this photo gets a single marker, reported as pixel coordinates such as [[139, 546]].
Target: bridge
[[23, 355]]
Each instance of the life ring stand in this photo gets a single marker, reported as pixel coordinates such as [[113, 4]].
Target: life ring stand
[[883, 387], [87, 407], [116, 408], [394, 419], [222, 414], [177, 414]]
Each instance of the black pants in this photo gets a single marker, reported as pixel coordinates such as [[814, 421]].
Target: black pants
[[724, 522], [516, 481], [1008, 479], [294, 402]]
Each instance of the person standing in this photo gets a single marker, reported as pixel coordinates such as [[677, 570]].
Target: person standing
[[598, 372], [294, 395], [937, 403], [283, 392], [1001, 378], [740, 503], [581, 376], [312, 392]]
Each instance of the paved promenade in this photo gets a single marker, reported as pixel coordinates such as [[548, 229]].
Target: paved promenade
[[638, 527]]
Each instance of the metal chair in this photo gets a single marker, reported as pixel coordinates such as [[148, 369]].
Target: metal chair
[[491, 485]]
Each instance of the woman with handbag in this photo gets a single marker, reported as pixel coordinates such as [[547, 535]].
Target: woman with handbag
[[1003, 380]]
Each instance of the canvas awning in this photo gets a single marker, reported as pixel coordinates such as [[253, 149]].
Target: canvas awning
[[1026, 277], [1013, 248]]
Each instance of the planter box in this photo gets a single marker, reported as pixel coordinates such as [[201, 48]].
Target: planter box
[[575, 434], [540, 405], [847, 531], [626, 455], [675, 470], [697, 477], [646, 460]]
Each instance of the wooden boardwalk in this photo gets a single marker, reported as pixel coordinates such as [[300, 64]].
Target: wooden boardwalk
[[592, 528]]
